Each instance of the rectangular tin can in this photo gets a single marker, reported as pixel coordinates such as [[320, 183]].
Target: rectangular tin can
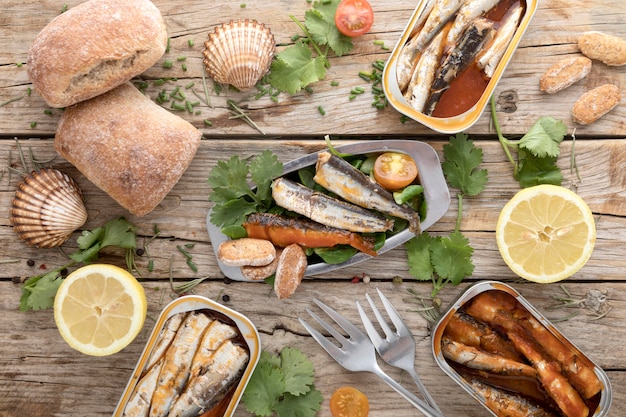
[[189, 303], [464, 120], [602, 400]]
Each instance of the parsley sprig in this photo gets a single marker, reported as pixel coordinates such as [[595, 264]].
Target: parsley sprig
[[537, 151], [448, 260], [234, 198], [306, 61], [38, 292], [282, 385]]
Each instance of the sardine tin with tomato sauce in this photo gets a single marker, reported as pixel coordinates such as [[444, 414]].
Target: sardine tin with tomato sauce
[[487, 302], [449, 95]]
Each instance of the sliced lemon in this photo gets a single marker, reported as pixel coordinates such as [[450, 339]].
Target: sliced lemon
[[545, 233], [99, 309]]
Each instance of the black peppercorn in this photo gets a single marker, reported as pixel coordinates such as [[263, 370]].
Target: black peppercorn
[[30, 262], [225, 298]]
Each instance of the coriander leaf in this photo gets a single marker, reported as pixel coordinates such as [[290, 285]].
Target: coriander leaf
[[294, 68], [228, 179], [544, 137], [418, 255], [88, 238], [121, 233], [38, 292], [263, 169], [270, 358], [461, 165], [306, 405], [87, 255], [452, 257], [298, 371], [266, 386], [233, 212], [320, 22], [534, 171]]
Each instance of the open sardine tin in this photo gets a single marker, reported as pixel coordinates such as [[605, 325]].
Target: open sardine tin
[[436, 194], [601, 402], [191, 303], [459, 123]]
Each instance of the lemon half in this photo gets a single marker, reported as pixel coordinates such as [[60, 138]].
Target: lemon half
[[546, 233], [99, 309]]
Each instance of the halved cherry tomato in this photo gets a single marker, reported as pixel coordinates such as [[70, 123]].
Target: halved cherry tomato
[[349, 402], [354, 17], [394, 171]]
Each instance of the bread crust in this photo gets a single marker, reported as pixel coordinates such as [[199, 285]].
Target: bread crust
[[596, 103], [127, 145], [257, 273], [95, 47], [564, 73], [292, 265], [604, 47]]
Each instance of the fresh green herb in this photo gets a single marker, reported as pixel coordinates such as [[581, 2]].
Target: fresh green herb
[[181, 58], [184, 67], [282, 385], [33, 125], [376, 78], [48, 112], [187, 255], [167, 63], [334, 83], [38, 292], [167, 46], [242, 5], [234, 199], [321, 110], [190, 43], [448, 260], [537, 151], [64, 8], [207, 122], [304, 62], [11, 100]]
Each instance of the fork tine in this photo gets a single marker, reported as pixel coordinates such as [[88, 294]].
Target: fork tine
[[329, 347], [401, 327], [369, 327], [353, 331], [330, 329], [381, 320]]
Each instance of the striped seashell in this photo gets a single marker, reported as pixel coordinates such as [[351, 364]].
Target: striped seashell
[[47, 208], [239, 53]]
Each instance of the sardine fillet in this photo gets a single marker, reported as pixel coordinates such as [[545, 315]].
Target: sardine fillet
[[491, 57], [165, 338], [177, 363], [209, 387], [337, 175], [326, 210], [139, 402], [508, 405]]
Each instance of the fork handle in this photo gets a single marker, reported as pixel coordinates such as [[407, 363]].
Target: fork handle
[[426, 409], [429, 399]]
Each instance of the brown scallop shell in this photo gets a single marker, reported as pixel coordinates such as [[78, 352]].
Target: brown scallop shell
[[47, 208], [239, 53]]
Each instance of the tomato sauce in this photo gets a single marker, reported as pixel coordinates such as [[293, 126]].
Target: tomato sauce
[[468, 87]]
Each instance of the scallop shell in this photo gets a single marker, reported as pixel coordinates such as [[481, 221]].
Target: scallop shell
[[47, 208], [239, 53]]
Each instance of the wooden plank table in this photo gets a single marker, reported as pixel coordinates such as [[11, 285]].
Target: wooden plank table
[[41, 376]]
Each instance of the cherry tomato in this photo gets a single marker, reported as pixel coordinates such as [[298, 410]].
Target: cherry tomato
[[349, 402], [394, 171], [354, 17]]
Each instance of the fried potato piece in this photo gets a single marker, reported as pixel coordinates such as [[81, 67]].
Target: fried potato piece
[[596, 103], [604, 47], [564, 73]]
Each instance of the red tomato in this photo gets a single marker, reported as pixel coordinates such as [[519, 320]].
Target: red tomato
[[394, 171], [354, 17], [349, 402]]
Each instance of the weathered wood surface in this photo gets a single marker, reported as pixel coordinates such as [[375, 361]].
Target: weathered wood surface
[[551, 36], [41, 376]]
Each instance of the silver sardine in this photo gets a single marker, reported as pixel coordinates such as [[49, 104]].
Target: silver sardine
[[337, 175], [326, 210], [424, 74], [139, 402], [468, 12], [476, 34], [165, 338], [489, 60]]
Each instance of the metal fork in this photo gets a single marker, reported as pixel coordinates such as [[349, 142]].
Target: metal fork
[[398, 347], [357, 353]]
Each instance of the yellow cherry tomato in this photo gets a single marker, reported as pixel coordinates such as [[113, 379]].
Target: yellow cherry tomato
[[349, 402], [393, 170]]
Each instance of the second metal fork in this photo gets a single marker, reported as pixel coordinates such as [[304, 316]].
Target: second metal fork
[[357, 353], [398, 347]]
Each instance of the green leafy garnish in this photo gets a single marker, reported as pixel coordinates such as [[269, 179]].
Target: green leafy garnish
[[38, 292], [303, 63], [282, 385], [537, 151], [448, 260], [234, 198]]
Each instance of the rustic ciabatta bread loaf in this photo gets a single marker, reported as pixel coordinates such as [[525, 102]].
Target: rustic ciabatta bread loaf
[[94, 47], [127, 145]]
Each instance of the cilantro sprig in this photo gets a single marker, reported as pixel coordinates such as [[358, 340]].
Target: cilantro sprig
[[38, 292], [234, 198], [448, 260], [282, 385], [537, 151], [306, 61]]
